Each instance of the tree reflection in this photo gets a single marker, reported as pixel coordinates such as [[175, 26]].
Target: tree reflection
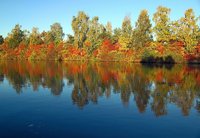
[[46, 74], [156, 86]]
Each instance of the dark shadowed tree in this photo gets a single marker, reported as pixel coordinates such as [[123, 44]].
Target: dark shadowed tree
[[1, 39]]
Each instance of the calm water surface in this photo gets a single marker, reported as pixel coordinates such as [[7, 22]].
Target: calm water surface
[[83, 99]]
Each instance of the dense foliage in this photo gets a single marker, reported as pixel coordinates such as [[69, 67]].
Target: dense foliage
[[166, 41]]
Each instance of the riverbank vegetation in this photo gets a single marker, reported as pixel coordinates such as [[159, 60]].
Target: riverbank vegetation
[[166, 41]]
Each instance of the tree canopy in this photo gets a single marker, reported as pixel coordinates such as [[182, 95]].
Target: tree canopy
[[142, 32], [15, 37], [158, 40]]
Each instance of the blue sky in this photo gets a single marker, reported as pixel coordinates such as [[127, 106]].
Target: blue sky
[[43, 13]]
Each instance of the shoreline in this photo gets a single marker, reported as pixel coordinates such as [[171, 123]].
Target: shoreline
[[111, 61]]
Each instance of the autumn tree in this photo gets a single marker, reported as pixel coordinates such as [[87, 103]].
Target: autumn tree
[[109, 28], [175, 30], [94, 31], [142, 31], [116, 34], [189, 30], [162, 24], [70, 39], [80, 27], [1, 39], [57, 33], [26, 37], [126, 34], [199, 34], [104, 33], [47, 37], [35, 37], [15, 37]]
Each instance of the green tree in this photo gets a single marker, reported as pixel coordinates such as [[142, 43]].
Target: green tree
[[70, 39], [104, 34], [189, 30], [175, 30], [162, 24], [94, 33], [26, 38], [35, 37], [126, 34], [109, 28], [80, 26], [15, 37], [47, 37], [57, 33], [116, 34], [199, 34], [1, 39], [142, 32]]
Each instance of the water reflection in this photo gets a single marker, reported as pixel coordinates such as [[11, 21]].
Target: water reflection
[[154, 86]]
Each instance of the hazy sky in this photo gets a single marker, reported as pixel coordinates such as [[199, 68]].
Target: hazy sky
[[43, 13]]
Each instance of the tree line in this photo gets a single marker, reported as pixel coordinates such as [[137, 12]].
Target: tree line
[[166, 41]]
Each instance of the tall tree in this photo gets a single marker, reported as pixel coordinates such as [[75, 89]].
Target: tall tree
[[189, 30], [80, 27], [199, 33], [93, 34], [198, 38], [26, 37], [142, 32], [47, 37], [1, 39], [162, 24], [117, 34], [57, 33], [93, 31], [70, 39], [15, 37], [35, 37], [126, 34], [109, 28]]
